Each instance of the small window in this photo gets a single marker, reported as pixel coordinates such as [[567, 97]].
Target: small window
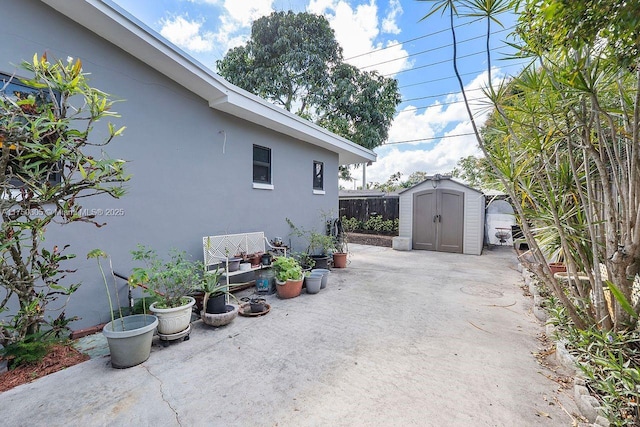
[[318, 176], [261, 165]]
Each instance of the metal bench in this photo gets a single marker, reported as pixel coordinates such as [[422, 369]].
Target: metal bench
[[218, 249]]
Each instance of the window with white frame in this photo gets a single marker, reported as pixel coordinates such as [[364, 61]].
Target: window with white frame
[[318, 175], [261, 165]]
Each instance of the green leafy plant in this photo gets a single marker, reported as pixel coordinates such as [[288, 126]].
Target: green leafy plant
[[287, 268], [351, 224], [305, 260], [374, 224], [32, 349], [211, 286], [317, 243], [171, 280], [48, 165], [97, 254]]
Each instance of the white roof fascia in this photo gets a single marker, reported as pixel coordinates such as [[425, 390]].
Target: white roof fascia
[[117, 26]]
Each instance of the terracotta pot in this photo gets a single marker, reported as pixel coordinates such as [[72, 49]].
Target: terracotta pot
[[557, 267], [339, 260], [289, 289]]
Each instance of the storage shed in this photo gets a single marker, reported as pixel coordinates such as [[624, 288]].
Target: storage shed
[[441, 214]]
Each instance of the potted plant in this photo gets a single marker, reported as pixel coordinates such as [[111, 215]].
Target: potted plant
[[171, 281], [341, 251], [216, 311], [214, 299], [289, 277], [319, 245], [306, 261], [129, 337]]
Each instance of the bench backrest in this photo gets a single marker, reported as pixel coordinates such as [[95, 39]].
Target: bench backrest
[[217, 249]]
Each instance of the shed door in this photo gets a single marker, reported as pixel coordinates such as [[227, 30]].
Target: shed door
[[438, 220], [424, 220]]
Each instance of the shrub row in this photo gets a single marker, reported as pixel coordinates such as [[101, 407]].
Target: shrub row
[[374, 224]]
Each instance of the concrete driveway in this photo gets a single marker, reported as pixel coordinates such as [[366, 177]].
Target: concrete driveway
[[398, 338]]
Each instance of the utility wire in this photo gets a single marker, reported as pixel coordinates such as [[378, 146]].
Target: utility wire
[[437, 96], [435, 48], [462, 75], [427, 139], [438, 105], [413, 39], [433, 64]]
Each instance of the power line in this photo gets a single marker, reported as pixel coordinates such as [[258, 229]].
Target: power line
[[462, 75], [437, 96], [428, 139], [413, 39], [433, 64], [435, 48], [438, 105]]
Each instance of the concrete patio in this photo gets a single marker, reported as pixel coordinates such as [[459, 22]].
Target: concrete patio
[[398, 338]]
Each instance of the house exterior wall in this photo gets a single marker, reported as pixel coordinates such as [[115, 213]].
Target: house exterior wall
[[473, 236], [190, 166]]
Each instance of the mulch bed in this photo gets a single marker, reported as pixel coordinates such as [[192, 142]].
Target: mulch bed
[[59, 357], [370, 239]]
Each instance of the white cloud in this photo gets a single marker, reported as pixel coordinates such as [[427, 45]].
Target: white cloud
[[244, 12], [437, 156], [187, 34], [389, 24], [356, 31]]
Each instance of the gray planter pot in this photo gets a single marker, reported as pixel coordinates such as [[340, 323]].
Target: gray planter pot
[[313, 283], [325, 276], [129, 339]]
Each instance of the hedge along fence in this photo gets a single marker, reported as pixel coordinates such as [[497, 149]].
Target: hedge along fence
[[378, 215]]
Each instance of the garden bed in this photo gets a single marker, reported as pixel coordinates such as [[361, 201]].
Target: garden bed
[[370, 239]]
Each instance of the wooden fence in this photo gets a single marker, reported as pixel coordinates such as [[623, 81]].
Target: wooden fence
[[364, 208]]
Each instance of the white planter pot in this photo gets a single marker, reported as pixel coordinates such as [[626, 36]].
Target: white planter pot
[[173, 320]]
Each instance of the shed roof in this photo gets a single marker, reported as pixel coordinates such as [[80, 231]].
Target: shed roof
[[117, 26], [438, 177]]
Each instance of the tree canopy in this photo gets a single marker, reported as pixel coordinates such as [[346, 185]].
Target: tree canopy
[[294, 61]]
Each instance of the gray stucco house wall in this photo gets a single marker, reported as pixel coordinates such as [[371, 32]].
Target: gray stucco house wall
[[189, 142]]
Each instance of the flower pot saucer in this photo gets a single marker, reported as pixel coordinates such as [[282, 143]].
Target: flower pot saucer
[[245, 310], [184, 335]]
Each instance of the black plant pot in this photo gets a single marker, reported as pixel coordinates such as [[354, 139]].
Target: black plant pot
[[217, 304], [266, 259], [322, 261]]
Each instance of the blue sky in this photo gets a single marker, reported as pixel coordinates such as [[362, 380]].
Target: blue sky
[[383, 35]]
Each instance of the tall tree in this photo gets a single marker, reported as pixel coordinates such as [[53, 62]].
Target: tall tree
[[294, 60], [477, 172]]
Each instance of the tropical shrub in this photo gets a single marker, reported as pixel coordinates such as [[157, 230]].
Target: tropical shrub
[[49, 165]]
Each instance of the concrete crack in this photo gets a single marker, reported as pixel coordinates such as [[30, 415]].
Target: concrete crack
[[162, 394]]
